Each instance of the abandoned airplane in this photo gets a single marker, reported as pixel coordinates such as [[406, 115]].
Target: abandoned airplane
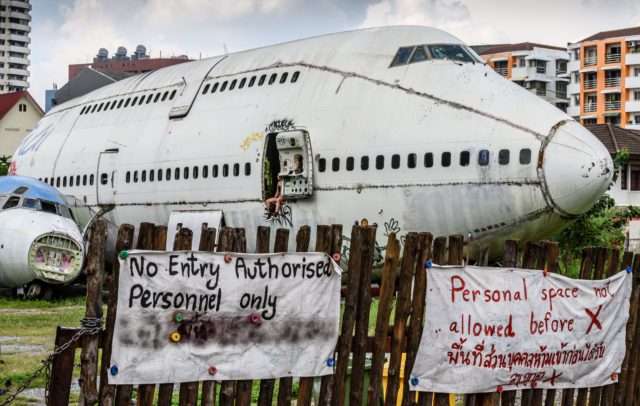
[[403, 126]]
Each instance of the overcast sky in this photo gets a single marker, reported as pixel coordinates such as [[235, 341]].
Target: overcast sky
[[71, 31]]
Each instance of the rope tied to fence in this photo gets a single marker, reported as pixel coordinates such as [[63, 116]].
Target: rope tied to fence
[[88, 326]]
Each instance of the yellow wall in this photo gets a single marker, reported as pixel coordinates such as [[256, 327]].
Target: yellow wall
[[16, 124]]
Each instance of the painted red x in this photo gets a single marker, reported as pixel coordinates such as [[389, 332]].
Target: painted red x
[[594, 319], [552, 379]]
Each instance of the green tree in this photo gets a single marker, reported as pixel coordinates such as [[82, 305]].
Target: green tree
[[4, 164]]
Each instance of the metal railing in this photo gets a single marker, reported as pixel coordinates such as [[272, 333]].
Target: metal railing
[[590, 107], [590, 60], [541, 69], [590, 84], [541, 92], [612, 82], [561, 95], [612, 58], [612, 105], [502, 71]]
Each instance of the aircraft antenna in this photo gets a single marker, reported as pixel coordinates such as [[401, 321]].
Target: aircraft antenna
[[226, 51]]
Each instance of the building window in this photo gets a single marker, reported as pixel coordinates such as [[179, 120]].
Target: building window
[[22, 107], [635, 177], [322, 164], [445, 159], [525, 156], [465, 157], [335, 164], [364, 163], [503, 157], [483, 157], [380, 162], [623, 177], [411, 160], [428, 160]]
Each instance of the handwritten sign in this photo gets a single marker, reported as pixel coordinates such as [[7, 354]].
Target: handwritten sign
[[510, 328], [189, 316]]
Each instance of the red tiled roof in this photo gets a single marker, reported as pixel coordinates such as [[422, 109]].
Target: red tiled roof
[[613, 34], [523, 46], [8, 100]]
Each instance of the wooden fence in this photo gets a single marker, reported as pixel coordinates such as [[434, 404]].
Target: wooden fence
[[403, 279]]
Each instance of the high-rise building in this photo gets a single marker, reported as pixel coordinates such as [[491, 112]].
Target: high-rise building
[[605, 78], [14, 45], [540, 68]]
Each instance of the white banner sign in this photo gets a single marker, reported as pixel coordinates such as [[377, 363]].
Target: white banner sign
[[189, 316], [492, 329]]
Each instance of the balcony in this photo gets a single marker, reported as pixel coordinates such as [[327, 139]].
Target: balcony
[[573, 111], [19, 72], [540, 92], [612, 58], [18, 83], [632, 82], [21, 61], [573, 66], [590, 60], [632, 106], [22, 27], [590, 107], [612, 105], [502, 71], [21, 4], [632, 58], [19, 49], [21, 38], [561, 94], [590, 84], [573, 88], [19, 15], [612, 82]]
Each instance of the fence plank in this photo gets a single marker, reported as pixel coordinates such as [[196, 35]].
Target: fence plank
[[510, 260], [243, 387], [62, 369], [363, 310], [89, 355], [619, 387], [146, 241], [385, 304], [349, 314], [225, 244], [323, 244], [124, 241], [484, 399], [632, 369], [586, 272], [326, 382], [552, 250], [595, 393], [416, 322]]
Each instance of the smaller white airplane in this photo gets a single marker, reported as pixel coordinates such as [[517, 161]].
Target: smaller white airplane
[[39, 237]]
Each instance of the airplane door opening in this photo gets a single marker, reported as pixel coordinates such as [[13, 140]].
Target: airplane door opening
[[287, 168], [106, 177]]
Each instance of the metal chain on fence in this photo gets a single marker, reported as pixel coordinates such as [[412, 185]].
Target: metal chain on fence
[[88, 326]]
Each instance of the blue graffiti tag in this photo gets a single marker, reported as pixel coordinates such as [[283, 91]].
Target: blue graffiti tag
[[34, 140]]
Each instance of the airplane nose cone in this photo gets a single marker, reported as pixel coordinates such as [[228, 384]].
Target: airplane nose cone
[[577, 169]]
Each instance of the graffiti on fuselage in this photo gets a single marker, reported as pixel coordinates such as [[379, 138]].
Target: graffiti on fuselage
[[34, 140], [285, 124]]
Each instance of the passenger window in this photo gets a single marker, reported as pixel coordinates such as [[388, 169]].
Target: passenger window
[[64, 181], [214, 171], [46, 180], [58, 181], [224, 86], [104, 178], [252, 81], [106, 106], [160, 175], [91, 180], [205, 171], [155, 99], [247, 169], [364, 163], [82, 110], [100, 107], [464, 158], [215, 87], [294, 78], [412, 160], [525, 156], [113, 105], [135, 99], [236, 169], [262, 79], [120, 103], [242, 82], [70, 181], [445, 159], [176, 174], [233, 84], [322, 164], [225, 170], [95, 106], [186, 172], [84, 180], [419, 55], [127, 177], [168, 174], [164, 96], [149, 98], [402, 56], [12, 202], [272, 79], [503, 157], [428, 160], [144, 176], [195, 172], [78, 180], [335, 164], [152, 175], [141, 100], [395, 161], [135, 176], [283, 78], [380, 162], [483, 157], [126, 104], [350, 163], [173, 94]]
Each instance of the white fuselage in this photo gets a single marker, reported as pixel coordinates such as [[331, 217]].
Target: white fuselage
[[352, 104]]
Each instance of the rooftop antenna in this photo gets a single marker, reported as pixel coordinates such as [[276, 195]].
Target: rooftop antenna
[[226, 51]]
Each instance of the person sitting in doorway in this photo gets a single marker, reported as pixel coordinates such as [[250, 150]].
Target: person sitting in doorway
[[276, 200]]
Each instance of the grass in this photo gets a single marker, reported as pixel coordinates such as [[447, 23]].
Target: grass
[[32, 323]]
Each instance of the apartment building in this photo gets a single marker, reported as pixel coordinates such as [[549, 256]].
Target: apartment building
[[540, 68], [605, 78], [14, 45]]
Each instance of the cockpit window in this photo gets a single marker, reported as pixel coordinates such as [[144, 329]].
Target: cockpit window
[[402, 56], [11, 202], [453, 52], [32, 204], [419, 55], [49, 207]]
